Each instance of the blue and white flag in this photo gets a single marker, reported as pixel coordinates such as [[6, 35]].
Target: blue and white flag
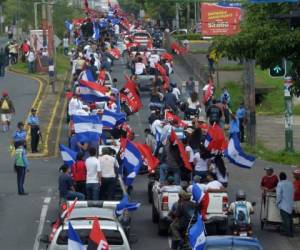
[[87, 75], [197, 237], [197, 193], [132, 161], [68, 155], [236, 155], [125, 204], [68, 26], [118, 103], [87, 128], [74, 241], [96, 30], [90, 94], [110, 119]]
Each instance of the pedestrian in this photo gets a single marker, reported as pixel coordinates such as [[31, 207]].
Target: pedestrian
[[21, 167], [241, 115], [234, 126], [269, 181], [24, 49], [19, 136], [225, 96], [31, 61], [285, 202], [79, 173], [211, 67], [2, 62], [214, 113], [66, 186], [296, 184], [66, 45], [109, 167], [6, 110], [93, 175], [33, 122]]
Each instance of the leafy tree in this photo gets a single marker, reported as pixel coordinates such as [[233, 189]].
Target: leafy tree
[[265, 38]]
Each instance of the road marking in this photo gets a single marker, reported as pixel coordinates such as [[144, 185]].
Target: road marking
[[42, 223], [170, 242]]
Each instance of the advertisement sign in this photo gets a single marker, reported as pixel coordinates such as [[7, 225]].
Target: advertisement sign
[[37, 39], [219, 20]]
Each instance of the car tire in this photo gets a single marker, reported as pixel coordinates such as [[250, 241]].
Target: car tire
[[155, 215], [163, 230]]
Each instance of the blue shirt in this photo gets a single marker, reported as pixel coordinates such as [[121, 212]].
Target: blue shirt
[[225, 97], [241, 113], [234, 126], [285, 196], [33, 120], [73, 143], [19, 135]]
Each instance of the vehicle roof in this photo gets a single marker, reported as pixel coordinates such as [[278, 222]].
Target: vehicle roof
[[87, 224], [85, 212], [219, 240]]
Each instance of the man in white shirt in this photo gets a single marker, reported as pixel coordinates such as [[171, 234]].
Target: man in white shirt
[[140, 67], [213, 185], [153, 59], [75, 104], [93, 175], [31, 60], [66, 45], [109, 166]]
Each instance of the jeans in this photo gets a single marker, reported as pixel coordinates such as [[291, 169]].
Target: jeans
[[164, 170], [35, 137], [201, 174], [287, 223], [108, 189], [21, 172], [92, 191], [30, 67], [242, 129], [71, 195], [2, 69]]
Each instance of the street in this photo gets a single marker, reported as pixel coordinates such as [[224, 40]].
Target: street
[[25, 218]]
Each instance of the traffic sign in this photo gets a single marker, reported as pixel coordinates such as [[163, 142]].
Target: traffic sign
[[277, 69]]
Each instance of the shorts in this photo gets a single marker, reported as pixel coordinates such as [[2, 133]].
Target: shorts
[[6, 117]]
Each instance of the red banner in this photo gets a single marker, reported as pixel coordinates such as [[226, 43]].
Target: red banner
[[219, 20]]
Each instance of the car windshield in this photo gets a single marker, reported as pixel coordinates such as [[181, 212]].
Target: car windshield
[[113, 237], [225, 247]]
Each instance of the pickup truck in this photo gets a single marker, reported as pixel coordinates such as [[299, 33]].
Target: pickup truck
[[163, 199]]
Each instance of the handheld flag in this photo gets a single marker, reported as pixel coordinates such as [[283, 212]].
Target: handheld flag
[[131, 96], [149, 159], [236, 155], [87, 75], [169, 116], [74, 241], [166, 56], [126, 205], [68, 155], [160, 69], [66, 214], [87, 128], [96, 34], [208, 93], [97, 240], [132, 161], [118, 103], [215, 140], [197, 193], [92, 92], [197, 237], [101, 77], [110, 118], [116, 53]]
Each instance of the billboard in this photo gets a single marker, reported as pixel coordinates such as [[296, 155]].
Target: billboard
[[219, 20]]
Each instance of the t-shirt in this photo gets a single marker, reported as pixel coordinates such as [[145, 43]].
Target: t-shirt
[[214, 185], [269, 182], [108, 164], [189, 149], [297, 190], [139, 68], [64, 184], [92, 169], [200, 164], [117, 29], [153, 59], [192, 105]]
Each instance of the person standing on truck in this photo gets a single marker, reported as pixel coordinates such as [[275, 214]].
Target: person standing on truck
[[214, 113], [79, 173], [285, 202], [139, 67]]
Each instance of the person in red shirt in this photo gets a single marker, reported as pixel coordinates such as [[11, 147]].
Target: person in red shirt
[[296, 184], [24, 48], [79, 173], [269, 181]]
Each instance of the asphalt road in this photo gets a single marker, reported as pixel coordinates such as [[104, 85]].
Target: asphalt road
[[22, 218]]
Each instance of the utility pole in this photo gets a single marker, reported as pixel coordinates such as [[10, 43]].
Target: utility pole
[[249, 86], [177, 15], [288, 114], [188, 15]]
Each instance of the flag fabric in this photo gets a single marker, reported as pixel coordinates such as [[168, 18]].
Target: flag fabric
[[66, 214], [116, 53], [101, 77], [208, 93], [132, 161], [166, 56], [74, 241], [236, 155], [166, 82], [197, 193], [149, 159], [96, 34], [183, 153], [160, 69], [169, 116], [178, 49], [92, 92], [215, 140], [125, 204], [87, 75], [87, 128], [197, 237], [68, 26], [68, 155], [110, 119], [97, 240], [118, 103], [131, 96]]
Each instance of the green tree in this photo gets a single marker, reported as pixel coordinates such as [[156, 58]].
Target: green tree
[[265, 38]]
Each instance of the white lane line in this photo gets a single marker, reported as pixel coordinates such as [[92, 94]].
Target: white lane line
[[170, 242], [42, 223]]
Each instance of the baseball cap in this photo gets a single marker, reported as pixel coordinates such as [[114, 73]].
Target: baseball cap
[[268, 168]]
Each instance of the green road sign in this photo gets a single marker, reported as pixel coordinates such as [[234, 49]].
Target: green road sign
[[277, 69]]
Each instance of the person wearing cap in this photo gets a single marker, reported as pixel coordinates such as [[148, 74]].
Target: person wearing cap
[[296, 183], [269, 181], [34, 123], [19, 136], [6, 111]]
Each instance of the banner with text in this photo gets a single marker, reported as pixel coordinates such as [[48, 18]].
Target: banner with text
[[219, 20]]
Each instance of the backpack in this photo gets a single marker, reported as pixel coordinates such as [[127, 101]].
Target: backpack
[[5, 105], [241, 212]]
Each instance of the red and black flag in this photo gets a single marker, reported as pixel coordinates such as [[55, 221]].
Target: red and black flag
[[97, 240]]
